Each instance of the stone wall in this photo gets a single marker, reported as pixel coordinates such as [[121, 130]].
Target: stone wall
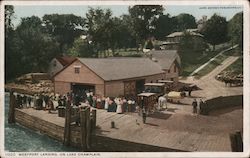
[[221, 102]]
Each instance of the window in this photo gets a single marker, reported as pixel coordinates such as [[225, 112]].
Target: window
[[77, 70], [168, 71]]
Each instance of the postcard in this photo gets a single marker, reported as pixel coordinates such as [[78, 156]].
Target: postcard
[[124, 79]]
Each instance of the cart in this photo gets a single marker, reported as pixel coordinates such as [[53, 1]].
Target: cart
[[148, 101]]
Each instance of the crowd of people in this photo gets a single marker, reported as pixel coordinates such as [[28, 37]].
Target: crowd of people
[[52, 102]]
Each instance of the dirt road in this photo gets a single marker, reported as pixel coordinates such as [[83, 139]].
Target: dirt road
[[210, 86]]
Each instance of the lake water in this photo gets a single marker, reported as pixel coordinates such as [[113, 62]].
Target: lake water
[[21, 139]]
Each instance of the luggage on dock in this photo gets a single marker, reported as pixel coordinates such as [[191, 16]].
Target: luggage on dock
[[61, 111]]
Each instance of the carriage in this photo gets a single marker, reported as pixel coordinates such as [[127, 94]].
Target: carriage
[[157, 88], [148, 101]]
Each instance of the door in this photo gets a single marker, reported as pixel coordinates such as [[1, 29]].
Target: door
[[129, 89]]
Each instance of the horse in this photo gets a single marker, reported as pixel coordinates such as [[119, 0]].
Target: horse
[[162, 102]]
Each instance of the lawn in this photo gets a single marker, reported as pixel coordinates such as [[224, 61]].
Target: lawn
[[237, 67], [192, 60]]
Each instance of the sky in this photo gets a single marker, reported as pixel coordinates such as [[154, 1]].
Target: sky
[[197, 11]]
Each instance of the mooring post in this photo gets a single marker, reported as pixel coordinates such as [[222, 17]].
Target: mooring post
[[67, 125], [83, 129], [94, 119], [12, 105], [88, 128], [239, 141], [236, 141]]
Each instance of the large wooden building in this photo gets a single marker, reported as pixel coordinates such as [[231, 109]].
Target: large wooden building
[[117, 76], [108, 76]]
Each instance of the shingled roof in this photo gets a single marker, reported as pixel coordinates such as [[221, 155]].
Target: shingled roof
[[122, 68], [165, 58]]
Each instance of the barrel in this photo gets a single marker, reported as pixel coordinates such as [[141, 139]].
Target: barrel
[[61, 111]]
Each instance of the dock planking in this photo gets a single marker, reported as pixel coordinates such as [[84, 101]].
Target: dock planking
[[130, 128]]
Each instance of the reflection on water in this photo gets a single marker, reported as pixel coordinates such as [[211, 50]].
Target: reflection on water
[[19, 138]]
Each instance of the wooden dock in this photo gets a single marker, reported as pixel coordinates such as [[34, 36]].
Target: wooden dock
[[130, 134]]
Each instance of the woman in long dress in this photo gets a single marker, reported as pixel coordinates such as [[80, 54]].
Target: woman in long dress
[[119, 106], [106, 103]]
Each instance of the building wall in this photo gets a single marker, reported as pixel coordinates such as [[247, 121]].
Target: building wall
[[172, 74], [64, 79], [62, 87], [99, 89], [154, 78], [54, 67], [114, 88]]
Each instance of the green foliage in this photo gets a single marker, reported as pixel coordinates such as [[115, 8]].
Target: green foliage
[[82, 48], [237, 67], [215, 30], [235, 29], [64, 27], [164, 26], [143, 19], [192, 43], [185, 21]]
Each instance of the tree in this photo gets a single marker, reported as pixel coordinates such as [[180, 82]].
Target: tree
[[36, 48], [82, 48], [9, 15], [99, 27], [235, 29], [164, 26], [64, 27], [190, 43], [215, 30], [11, 45], [185, 21], [143, 19]]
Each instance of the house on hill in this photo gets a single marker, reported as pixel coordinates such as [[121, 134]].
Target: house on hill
[[58, 63], [123, 76], [170, 63], [173, 40]]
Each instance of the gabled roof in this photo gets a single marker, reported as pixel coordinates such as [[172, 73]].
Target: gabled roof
[[165, 58], [65, 60], [121, 68]]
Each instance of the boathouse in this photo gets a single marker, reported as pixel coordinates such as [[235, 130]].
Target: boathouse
[[124, 76]]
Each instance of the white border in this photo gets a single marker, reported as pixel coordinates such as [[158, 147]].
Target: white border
[[246, 121]]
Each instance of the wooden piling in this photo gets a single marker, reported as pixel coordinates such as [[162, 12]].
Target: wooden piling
[[88, 128], [12, 105], [236, 142], [66, 140], [239, 141], [83, 129], [93, 126]]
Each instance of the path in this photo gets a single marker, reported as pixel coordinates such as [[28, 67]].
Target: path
[[212, 59], [210, 86]]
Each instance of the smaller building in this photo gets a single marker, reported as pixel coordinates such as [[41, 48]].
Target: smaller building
[[58, 63], [173, 40], [170, 63]]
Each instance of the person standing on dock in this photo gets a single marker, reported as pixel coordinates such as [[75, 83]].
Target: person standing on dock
[[194, 104], [144, 115]]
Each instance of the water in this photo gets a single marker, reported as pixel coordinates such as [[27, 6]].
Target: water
[[21, 139]]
